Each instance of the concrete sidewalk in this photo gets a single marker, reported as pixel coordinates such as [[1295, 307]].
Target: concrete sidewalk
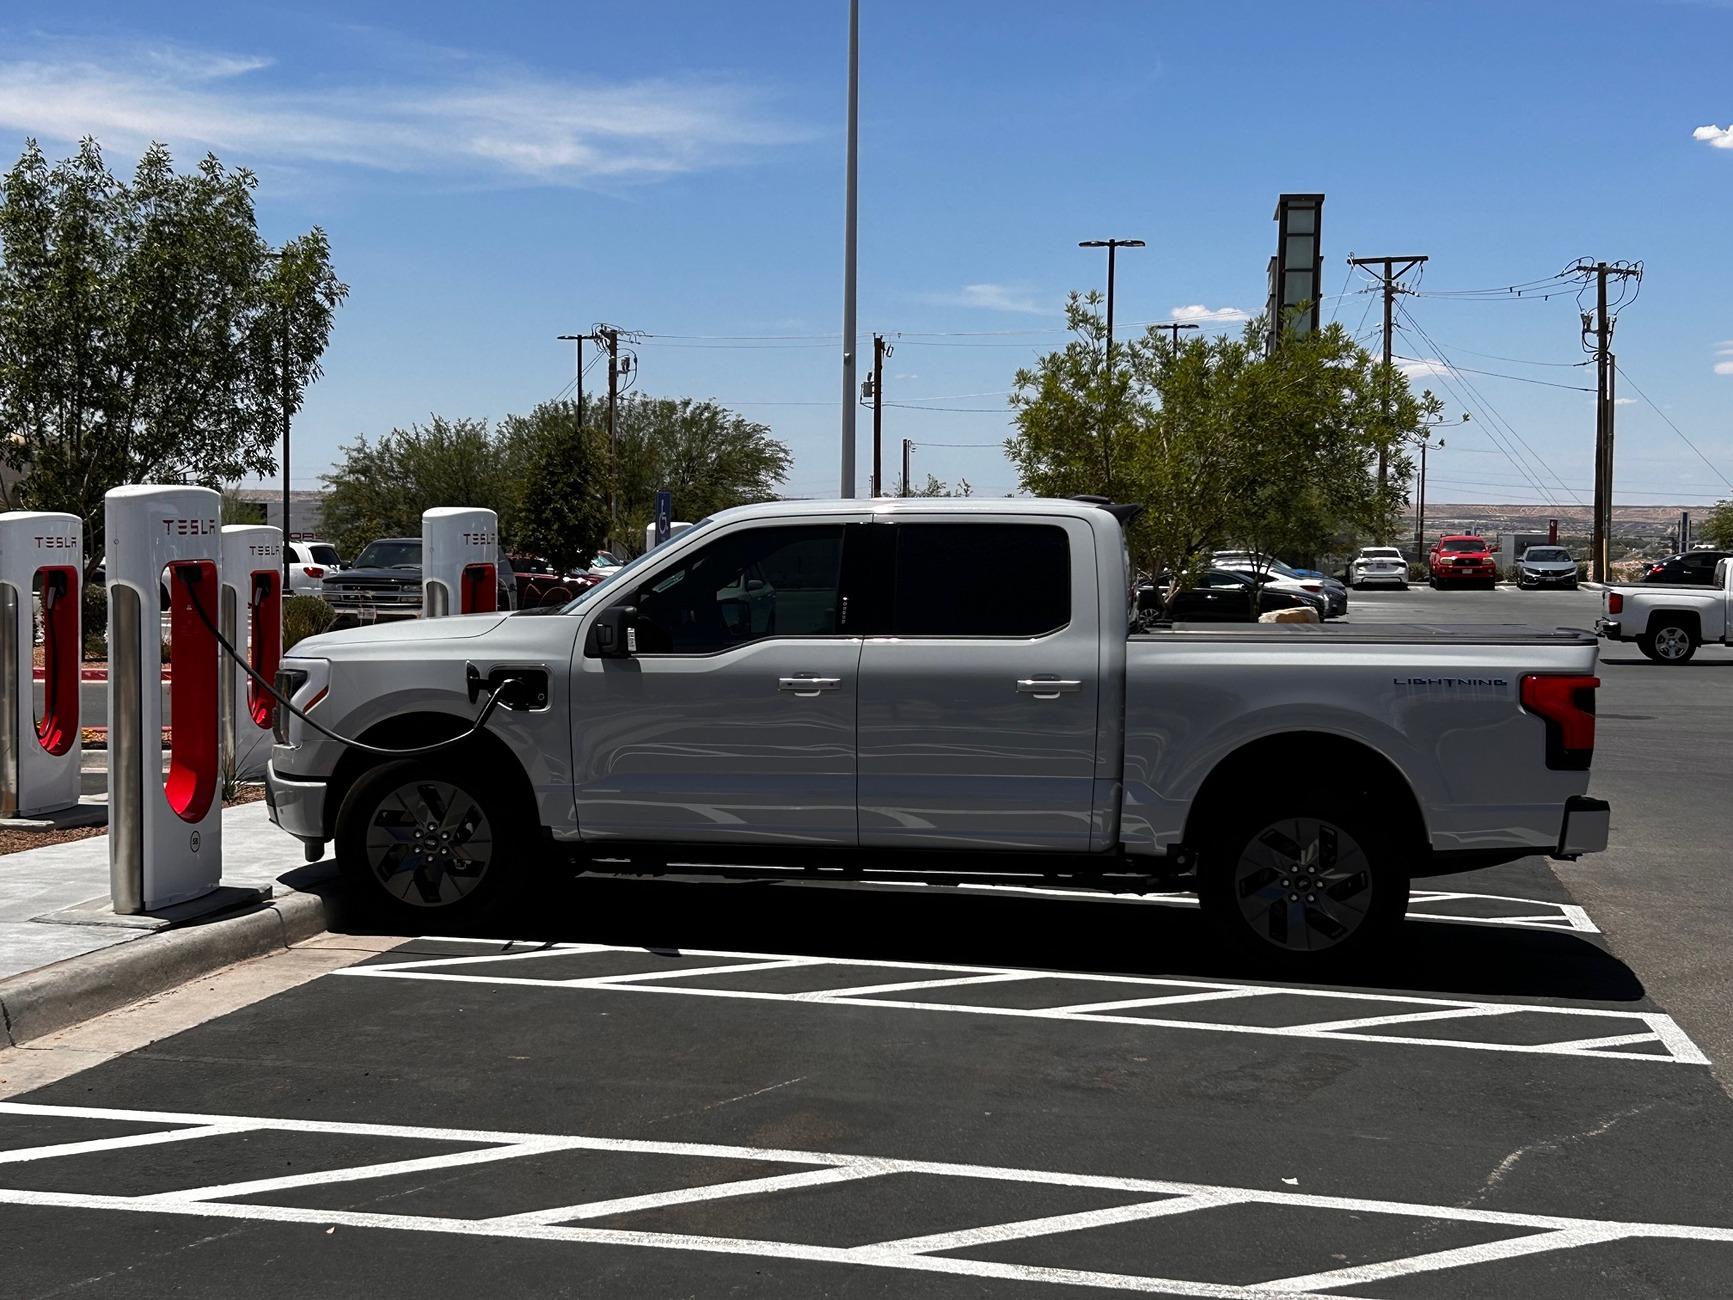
[[64, 954]]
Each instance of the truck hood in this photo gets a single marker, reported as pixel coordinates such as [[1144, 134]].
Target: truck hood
[[409, 577], [458, 627]]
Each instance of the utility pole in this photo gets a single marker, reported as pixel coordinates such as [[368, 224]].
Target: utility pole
[[1423, 440], [1601, 326], [1391, 274], [851, 206], [908, 447], [1112, 246], [580, 340], [874, 389], [1176, 326], [610, 337]]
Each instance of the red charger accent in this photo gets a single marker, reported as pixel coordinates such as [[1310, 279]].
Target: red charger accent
[[480, 590], [191, 783], [57, 729], [265, 647]]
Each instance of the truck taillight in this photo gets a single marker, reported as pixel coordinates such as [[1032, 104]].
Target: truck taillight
[[1567, 706], [313, 572], [1615, 602]]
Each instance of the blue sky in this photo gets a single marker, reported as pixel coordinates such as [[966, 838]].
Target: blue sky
[[492, 176]]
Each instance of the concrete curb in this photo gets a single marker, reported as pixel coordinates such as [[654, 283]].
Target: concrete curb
[[53, 997]]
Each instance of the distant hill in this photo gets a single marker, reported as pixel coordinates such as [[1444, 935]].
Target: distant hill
[[1636, 521]]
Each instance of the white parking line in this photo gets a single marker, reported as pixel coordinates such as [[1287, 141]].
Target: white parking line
[[1652, 1027], [1530, 1233]]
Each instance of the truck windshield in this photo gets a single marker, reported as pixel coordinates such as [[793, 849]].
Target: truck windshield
[[1546, 553], [404, 554], [1465, 544]]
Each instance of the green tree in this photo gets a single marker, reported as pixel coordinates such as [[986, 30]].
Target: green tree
[[561, 510], [937, 487], [709, 457], [143, 328], [1221, 442], [379, 489], [1717, 525]]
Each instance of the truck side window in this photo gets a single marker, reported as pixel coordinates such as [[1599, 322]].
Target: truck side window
[[981, 580], [748, 585]]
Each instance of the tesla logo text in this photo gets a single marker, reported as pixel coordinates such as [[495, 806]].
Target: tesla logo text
[[54, 543], [189, 527], [254, 548], [478, 539], [1451, 681]]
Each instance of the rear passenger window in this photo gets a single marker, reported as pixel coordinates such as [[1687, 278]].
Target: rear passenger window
[[981, 580]]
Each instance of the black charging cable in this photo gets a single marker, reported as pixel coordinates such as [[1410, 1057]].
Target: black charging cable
[[494, 688]]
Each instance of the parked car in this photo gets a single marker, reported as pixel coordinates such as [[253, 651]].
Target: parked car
[[1378, 564], [1224, 596], [1461, 560], [868, 716], [383, 584], [1687, 568], [1669, 624], [541, 582], [1274, 573], [1546, 566], [310, 563]]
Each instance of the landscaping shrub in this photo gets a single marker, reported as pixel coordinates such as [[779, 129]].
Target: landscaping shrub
[[305, 616]]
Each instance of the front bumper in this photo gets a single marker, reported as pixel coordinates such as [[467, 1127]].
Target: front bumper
[[1585, 826], [1465, 573], [295, 804], [1530, 579]]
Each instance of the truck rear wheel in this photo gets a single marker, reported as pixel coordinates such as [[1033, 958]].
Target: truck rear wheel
[[1314, 881], [1669, 643], [427, 843]]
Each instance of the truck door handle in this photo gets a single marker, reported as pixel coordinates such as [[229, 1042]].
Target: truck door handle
[[1047, 688], [808, 685]]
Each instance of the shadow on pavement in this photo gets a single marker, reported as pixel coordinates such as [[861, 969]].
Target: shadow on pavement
[[972, 928]]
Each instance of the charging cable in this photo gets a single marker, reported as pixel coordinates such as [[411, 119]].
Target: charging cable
[[495, 688]]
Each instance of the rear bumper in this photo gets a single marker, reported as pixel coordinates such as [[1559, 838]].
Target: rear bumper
[[1610, 628], [1585, 826]]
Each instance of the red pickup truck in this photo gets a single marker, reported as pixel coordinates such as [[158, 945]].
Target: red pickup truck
[[1459, 560]]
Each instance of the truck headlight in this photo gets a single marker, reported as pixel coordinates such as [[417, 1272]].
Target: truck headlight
[[302, 682]]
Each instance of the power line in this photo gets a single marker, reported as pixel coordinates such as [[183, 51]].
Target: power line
[[1675, 428], [1495, 374]]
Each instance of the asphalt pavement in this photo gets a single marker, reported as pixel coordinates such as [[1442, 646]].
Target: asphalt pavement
[[673, 1087]]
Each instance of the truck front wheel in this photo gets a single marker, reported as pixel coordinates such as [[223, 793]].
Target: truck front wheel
[[419, 840], [1313, 882]]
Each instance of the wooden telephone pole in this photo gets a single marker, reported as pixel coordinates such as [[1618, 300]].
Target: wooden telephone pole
[[1394, 268], [1600, 323]]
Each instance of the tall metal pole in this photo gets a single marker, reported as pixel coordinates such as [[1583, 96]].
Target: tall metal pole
[[580, 342], [878, 413], [907, 448], [1603, 488], [1112, 246], [1420, 506], [288, 322], [850, 202], [612, 338]]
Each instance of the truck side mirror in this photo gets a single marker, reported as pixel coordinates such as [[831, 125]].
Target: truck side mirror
[[616, 632]]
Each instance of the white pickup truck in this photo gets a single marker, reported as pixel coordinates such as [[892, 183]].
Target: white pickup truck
[[937, 686], [1669, 622]]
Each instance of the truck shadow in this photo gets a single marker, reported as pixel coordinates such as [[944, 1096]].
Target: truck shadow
[[1095, 934]]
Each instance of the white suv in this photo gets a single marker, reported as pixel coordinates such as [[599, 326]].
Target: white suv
[[309, 562], [1378, 564]]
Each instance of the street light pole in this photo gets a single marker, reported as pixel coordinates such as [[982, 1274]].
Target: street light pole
[[1112, 246], [851, 204], [278, 257]]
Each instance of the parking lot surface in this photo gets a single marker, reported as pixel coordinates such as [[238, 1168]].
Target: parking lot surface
[[676, 1087]]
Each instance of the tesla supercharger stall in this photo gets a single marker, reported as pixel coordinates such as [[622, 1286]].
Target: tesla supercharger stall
[[165, 826], [252, 621], [459, 561], [41, 557]]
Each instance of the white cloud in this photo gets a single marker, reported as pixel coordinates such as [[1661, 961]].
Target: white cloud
[[485, 121], [1724, 367], [994, 297], [1624, 401], [1724, 348], [1418, 368], [1716, 137], [1201, 314]]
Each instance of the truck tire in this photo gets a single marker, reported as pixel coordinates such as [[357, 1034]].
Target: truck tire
[[1668, 643], [427, 843], [1311, 880]]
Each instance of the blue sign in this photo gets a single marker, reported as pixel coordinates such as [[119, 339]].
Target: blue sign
[[664, 515]]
